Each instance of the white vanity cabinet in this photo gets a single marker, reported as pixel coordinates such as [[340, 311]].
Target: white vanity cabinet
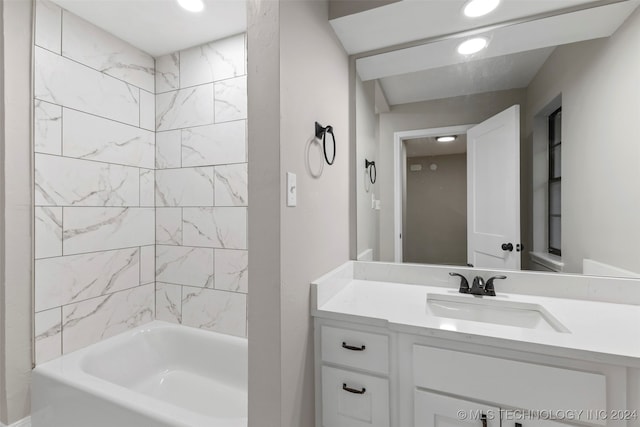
[[353, 369], [437, 410], [377, 377]]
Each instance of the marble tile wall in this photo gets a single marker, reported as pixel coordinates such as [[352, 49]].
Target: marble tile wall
[[94, 138], [140, 185], [201, 187]]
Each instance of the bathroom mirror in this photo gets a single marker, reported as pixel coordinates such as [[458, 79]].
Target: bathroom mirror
[[524, 155]]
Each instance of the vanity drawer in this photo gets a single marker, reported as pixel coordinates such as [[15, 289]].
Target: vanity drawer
[[357, 349], [351, 399], [510, 383]]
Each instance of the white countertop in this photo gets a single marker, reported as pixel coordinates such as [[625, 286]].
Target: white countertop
[[599, 331]]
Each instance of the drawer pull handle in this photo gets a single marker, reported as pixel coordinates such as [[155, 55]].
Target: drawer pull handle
[[352, 348], [483, 418], [353, 390]]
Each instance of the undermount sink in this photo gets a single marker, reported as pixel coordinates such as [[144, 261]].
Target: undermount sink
[[489, 310]]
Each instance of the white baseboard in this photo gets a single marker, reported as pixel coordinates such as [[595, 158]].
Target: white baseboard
[[25, 422]]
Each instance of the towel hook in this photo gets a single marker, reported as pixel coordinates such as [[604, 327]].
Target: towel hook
[[373, 172], [321, 133]]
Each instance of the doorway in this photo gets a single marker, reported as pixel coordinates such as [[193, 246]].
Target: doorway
[[435, 205], [492, 193], [421, 143]]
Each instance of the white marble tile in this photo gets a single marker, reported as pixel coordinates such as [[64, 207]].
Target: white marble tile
[[215, 227], [168, 226], [230, 185], [169, 302], [147, 187], [147, 110], [98, 229], [231, 99], [48, 25], [184, 187], [232, 270], [64, 82], [217, 144], [47, 128], [48, 334], [93, 138], [168, 149], [48, 232], [214, 310], [168, 72], [62, 181], [213, 61], [96, 48], [93, 320], [147, 264], [184, 108], [69, 279], [184, 265]]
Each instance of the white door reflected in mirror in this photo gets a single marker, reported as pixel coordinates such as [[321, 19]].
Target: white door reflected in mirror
[[493, 191]]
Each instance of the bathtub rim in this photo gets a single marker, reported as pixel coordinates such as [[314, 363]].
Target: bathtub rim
[[68, 370]]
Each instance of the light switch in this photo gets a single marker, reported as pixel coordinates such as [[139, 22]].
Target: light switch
[[292, 189]]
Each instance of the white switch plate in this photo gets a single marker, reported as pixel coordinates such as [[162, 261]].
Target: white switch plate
[[292, 189]]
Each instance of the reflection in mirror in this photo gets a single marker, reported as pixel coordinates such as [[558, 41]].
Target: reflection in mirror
[[543, 168]]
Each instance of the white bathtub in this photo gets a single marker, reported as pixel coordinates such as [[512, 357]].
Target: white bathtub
[[158, 375]]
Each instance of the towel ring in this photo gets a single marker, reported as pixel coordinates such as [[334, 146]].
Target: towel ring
[[373, 171], [321, 133]]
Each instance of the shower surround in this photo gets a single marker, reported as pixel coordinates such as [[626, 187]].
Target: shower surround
[[140, 185]]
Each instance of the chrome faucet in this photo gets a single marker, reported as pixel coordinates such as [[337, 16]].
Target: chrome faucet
[[479, 287]]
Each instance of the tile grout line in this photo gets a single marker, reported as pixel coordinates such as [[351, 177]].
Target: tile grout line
[[208, 82], [99, 116], [93, 298], [102, 162], [97, 252]]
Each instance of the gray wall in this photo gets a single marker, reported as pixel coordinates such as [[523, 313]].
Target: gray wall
[[598, 81], [264, 306], [436, 217], [366, 148], [298, 74], [15, 283], [433, 114]]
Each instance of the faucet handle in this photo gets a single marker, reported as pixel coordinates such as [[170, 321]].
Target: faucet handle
[[489, 288], [464, 284]]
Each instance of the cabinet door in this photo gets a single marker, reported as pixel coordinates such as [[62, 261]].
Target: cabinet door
[[351, 399], [508, 422], [436, 410]]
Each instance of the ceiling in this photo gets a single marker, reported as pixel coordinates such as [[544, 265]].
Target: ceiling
[[514, 55], [420, 147], [411, 20], [486, 75], [159, 27]]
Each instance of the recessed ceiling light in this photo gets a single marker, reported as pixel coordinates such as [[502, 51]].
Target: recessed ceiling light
[[446, 138], [192, 5], [471, 46], [476, 8]]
